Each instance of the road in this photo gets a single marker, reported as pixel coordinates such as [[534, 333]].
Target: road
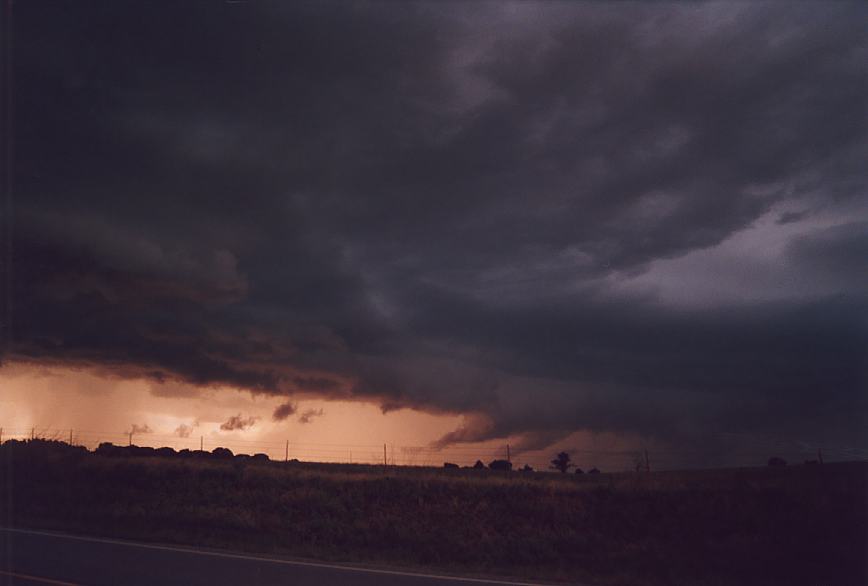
[[34, 558]]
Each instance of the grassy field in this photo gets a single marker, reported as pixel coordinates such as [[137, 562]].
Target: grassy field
[[791, 525]]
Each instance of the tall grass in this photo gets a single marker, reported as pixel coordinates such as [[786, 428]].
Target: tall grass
[[796, 525]]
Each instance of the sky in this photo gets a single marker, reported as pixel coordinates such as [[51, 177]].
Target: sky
[[559, 225]]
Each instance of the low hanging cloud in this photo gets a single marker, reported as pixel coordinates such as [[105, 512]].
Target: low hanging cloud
[[137, 429], [185, 430], [528, 220], [309, 415], [284, 411], [237, 422]]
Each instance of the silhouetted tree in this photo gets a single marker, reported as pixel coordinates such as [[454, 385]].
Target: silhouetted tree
[[593, 471], [140, 451], [501, 465], [222, 453], [527, 468], [479, 465], [108, 449], [579, 470], [775, 461], [449, 465], [562, 462]]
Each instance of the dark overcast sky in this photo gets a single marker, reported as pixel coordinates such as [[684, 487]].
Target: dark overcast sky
[[636, 218]]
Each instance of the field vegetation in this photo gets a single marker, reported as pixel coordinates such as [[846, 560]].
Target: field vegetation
[[774, 525]]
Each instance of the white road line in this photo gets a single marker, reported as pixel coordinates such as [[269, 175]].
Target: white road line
[[239, 556]]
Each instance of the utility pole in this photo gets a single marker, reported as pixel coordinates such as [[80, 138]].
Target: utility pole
[[286, 453], [131, 438], [819, 455], [1, 435], [70, 437], [384, 456], [201, 439], [508, 458], [32, 433]]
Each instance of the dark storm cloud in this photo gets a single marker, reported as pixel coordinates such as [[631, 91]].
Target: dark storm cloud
[[788, 217], [838, 254], [434, 206]]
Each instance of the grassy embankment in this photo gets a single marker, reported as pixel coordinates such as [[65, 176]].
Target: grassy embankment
[[794, 525]]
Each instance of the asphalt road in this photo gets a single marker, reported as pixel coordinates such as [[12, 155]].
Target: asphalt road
[[34, 558]]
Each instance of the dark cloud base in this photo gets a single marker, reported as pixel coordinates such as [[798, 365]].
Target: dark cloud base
[[427, 207]]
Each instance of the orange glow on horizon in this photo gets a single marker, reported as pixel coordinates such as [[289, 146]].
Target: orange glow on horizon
[[52, 401]]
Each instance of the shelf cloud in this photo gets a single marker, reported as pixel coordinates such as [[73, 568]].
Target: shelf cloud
[[633, 218]]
